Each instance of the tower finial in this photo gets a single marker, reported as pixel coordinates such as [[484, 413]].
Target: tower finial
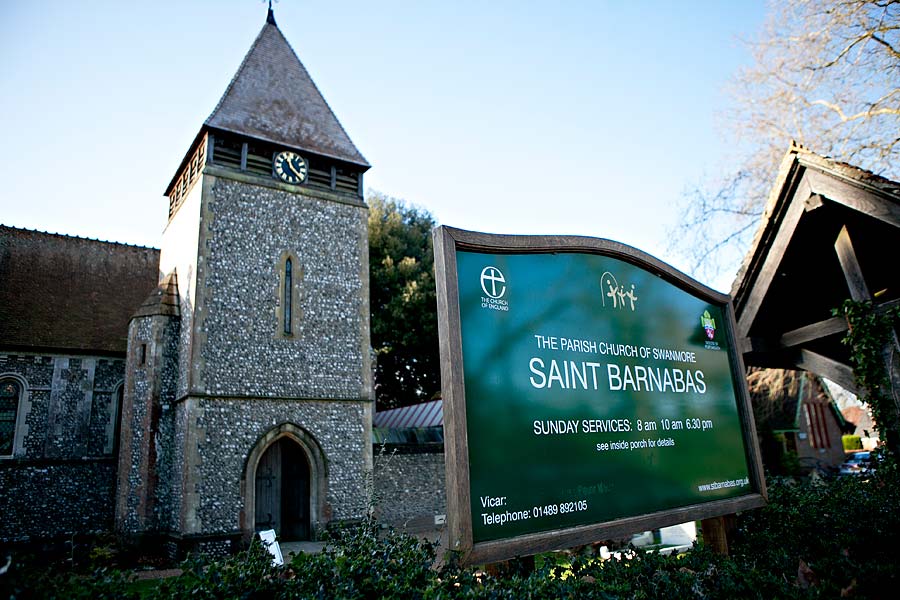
[[270, 18]]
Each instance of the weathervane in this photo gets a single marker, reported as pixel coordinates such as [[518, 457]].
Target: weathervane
[[270, 18]]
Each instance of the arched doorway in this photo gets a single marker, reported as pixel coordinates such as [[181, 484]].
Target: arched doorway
[[282, 491]]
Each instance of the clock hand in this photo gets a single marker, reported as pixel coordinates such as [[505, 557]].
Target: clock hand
[[290, 164]]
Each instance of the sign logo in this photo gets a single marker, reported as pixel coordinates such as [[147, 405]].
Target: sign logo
[[493, 282], [616, 292], [709, 325]]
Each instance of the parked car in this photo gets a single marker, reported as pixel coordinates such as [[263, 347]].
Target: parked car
[[857, 463], [812, 465]]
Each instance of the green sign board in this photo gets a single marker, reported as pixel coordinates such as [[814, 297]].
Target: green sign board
[[589, 384]]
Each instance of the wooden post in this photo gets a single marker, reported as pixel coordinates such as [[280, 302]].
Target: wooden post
[[843, 246], [715, 534], [521, 565], [859, 292]]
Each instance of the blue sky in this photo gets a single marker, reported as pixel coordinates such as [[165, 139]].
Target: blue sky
[[587, 118]]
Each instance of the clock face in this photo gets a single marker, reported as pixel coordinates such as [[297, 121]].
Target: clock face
[[290, 167]]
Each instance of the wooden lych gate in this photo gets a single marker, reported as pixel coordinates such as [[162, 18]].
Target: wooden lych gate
[[830, 232]]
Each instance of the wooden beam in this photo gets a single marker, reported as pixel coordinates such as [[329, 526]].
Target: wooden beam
[[813, 331], [872, 202], [859, 291], [757, 345], [837, 372], [775, 253], [802, 335], [813, 202]]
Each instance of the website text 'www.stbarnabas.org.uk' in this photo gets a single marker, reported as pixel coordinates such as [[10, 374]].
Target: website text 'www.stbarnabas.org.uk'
[[717, 485]]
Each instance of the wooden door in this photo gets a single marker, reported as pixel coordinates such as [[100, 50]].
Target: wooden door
[[294, 492], [268, 489]]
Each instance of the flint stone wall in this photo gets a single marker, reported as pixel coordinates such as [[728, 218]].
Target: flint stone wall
[[410, 488], [247, 230], [61, 477], [145, 458], [228, 429]]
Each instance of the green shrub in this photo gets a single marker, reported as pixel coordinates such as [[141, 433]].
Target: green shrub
[[24, 583], [843, 529], [822, 539], [851, 442], [248, 574], [790, 463], [365, 562]]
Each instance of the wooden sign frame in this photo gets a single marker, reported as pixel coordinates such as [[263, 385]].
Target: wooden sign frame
[[447, 241]]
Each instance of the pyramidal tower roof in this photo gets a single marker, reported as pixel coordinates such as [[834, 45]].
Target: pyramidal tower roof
[[273, 98]]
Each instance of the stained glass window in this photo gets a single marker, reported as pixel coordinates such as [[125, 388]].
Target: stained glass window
[[9, 406]]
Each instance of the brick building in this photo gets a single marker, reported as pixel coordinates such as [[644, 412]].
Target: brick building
[[221, 384], [797, 417]]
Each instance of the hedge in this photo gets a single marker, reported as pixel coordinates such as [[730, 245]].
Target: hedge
[[815, 539]]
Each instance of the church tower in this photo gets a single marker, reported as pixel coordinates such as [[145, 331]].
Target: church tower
[[253, 410]]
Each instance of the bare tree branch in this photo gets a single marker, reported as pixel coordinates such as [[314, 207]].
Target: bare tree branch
[[826, 74], [874, 112], [889, 47]]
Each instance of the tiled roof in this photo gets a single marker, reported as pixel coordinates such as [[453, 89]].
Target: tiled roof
[[163, 300], [847, 171], [776, 395], [68, 293], [859, 417], [273, 98]]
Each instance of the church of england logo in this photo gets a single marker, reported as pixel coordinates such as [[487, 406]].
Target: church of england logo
[[492, 277], [493, 284]]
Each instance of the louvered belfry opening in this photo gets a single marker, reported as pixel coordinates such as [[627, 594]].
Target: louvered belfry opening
[[188, 176], [256, 157], [227, 151]]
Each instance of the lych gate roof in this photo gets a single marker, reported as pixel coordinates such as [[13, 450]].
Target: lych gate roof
[[68, 293], [273, 98], [830, 232]]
